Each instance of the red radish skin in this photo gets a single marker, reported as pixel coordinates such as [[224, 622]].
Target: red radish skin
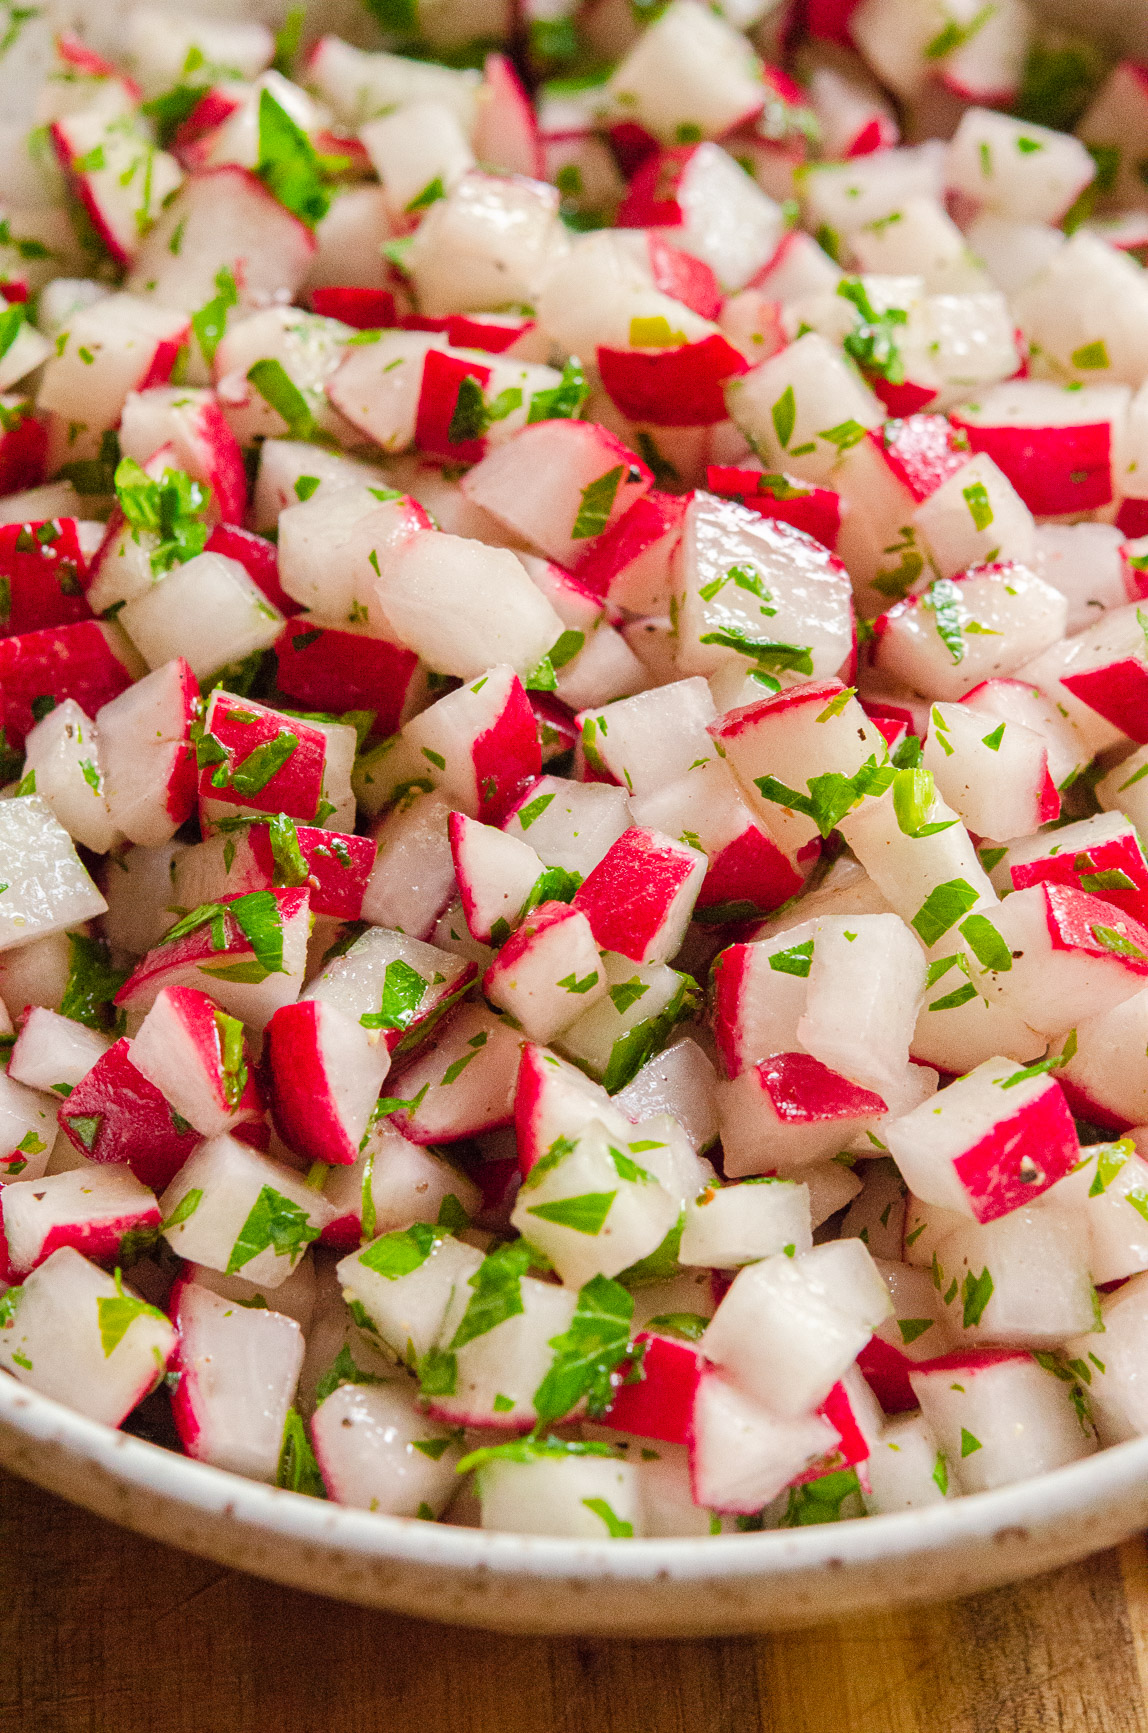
[[209, 113], [1118, 692], [650, 528], [507, 756], [1054, 469], [242, 726], [628, 896], [803, 1091], [680, 387], [116, 1114], [1073, 917], [339, 868], [324, 669], [922, 451], [852, 1450], [991, 1170], [495, 332], [750, 869], [684, 278], [79, 661], [886, 1371], [660, 1402], [99, 1241], [259, 559], [816, 510], [1118, 854], [442, 381], [365, 309], [45, 569], [303, 1098], [23, 453]]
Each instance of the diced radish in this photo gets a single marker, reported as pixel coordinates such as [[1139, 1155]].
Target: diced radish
[[248, 953], [73, 1333], [548, 973], [558, 1494], [989, 1143], [240, 1212], [789, 1111], [758, 594], [1056, 446], [413, 879], [595, 1211], [1026, 172], [804, 408], [999, 1417], [640, 896], [789, 1326], [198, 1059], [115, 1114], [120, 178], [1023, 1280], [226, 1412], [486, 244], [370, 1445], [988, 621], [133, 344], [48, 888], [149, 765], [207, 610], [90, 1211], [90, 662], [1062, 954], [327, 1072], [401, 1183], [54, 1052], [205, 447], [742, 1454], [468, 1081], [405, 1281]]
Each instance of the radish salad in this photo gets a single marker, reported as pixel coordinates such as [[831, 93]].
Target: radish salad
[[574, 712]]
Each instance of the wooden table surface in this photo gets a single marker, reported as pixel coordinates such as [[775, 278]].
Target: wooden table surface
[[102, 1632]]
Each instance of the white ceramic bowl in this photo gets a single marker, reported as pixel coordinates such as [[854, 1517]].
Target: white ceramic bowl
[[708, 1587], [719, 1586]]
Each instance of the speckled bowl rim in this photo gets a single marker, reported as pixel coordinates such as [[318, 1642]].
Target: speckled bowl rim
[[509, 1581]]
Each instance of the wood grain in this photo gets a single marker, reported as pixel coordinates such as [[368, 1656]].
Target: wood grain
[[106, 1633]]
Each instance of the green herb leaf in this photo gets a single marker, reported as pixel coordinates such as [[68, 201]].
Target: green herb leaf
[[172, 508], [616, 1528], [89, 996], [597, 503], [942, 909], [399, 1253], [403, 992], [830, 796], [943, 597], [986, 944], [298, 1470], [784, 416], [288, 163], [563, 402], [497, 1296], [276, 1223], [210, 322], [597, 1342], [976, 1292], [343, 1371], [533, 1449], [277, 389], [584, 1215], [117, 1313]]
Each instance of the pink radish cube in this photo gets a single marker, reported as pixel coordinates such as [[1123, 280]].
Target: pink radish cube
[[147, 752], [789, 1327], [660, 1403], [999, 1417], [465, 1084], [253, 756], [639, 898], [250, 976], [394, 983], [324, 669], [788, 1111], [75, 1334], [742, 1454], [548, 972], [238, 1211], [370, 1445], [90, 662], [480, 744], [1055, 446], [239, 1366], [326, 1074], [1064, 955], [581, 482], [198, 1057], [91, 1211], [116, 1114], [988, 1144]]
